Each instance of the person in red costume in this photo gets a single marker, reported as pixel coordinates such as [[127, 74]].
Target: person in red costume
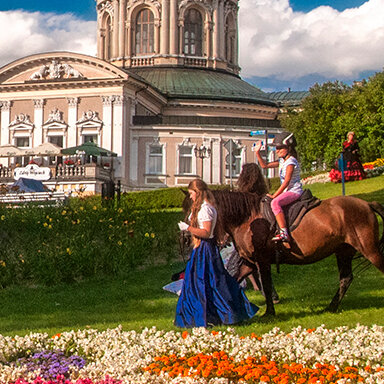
[[354, 169]]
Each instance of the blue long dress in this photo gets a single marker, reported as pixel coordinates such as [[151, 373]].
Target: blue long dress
[[210, 295]]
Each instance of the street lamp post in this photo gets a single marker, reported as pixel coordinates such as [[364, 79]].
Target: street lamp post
[[202, 153]]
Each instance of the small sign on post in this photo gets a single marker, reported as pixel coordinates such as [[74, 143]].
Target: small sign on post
[[342, 165]]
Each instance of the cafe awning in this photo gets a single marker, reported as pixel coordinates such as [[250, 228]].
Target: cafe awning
[[88, 148], [9, 150], [45, 149]]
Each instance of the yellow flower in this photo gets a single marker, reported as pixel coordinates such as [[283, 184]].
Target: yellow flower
[[64, 212], [2, 217], [45, 225], [69, 251], [81, 208], [147, 234], [120, 210], [153, 235], [2, 263], [120, 243], [94, 208]]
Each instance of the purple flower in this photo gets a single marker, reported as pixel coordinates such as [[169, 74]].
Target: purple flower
[[52, 364]]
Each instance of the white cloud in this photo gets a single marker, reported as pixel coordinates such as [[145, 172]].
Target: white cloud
[[276, 41], [25, 33]]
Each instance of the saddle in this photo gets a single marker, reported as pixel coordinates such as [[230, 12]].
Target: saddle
[[293, 212]]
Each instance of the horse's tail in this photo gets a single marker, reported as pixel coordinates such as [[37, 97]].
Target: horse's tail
[[379, 209]]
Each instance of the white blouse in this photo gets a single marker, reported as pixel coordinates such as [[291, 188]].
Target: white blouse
[[207, 213]]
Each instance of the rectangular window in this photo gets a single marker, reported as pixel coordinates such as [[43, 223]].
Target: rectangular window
[[57, 140], [22, 142], [185, 160], [155, 161], [90, 138]]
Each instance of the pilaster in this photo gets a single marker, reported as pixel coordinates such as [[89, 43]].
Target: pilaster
[[38, 115], [216, 161], [72, 133], [5, 120], [164, 37], [115, 46], [107, 122], [173, 32], [122, 29], [118, 137]]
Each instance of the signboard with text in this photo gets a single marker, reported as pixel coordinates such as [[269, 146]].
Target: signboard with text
[[32, 171]]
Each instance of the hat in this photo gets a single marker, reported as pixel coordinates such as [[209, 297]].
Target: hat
[[284, 138]]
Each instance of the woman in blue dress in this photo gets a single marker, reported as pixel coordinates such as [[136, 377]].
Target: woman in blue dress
[[210, 295]]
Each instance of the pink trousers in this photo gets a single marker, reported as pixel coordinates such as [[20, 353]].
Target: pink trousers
[[283, 199]]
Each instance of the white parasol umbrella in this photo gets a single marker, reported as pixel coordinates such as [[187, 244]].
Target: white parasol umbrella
[[45, 149], [9, 150]]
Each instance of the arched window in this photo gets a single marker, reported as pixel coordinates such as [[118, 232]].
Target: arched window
[[108, 38], [193, 33], [144, 32], [230, 39]]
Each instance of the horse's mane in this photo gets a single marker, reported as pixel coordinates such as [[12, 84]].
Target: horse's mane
[[236, 207]]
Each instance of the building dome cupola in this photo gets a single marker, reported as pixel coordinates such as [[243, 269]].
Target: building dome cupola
[[177, 33]]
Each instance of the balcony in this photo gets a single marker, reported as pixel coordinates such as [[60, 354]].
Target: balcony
[[71, 173]]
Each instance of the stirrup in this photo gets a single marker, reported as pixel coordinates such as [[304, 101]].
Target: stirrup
[[282, 236]]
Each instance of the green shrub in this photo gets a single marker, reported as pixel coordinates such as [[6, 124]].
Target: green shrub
[[156, 199]]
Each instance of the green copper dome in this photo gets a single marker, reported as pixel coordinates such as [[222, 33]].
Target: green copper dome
[[190, 83]]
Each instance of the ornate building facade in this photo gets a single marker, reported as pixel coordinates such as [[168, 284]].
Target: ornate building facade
[[164, 94]]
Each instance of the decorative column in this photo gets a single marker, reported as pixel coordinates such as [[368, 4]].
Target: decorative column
[[173, 27], [164, 37], [38, 135], [133, 147], [221, 30], [5, 120], [216, 162], [129, 38], [122, 29], [157, 35], [115, 28], [118, 134], [181, 37], [107, 122], [215, 34], [72, 119], [208, 29]]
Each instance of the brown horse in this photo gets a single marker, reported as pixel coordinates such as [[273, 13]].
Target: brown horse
[[341, 225]]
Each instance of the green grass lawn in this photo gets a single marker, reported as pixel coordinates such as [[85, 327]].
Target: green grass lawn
[[138, 300]]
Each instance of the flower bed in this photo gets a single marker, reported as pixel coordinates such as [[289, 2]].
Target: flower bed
[[343, 355]]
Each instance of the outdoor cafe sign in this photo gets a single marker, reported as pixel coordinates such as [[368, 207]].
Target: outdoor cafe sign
[[32, 171]]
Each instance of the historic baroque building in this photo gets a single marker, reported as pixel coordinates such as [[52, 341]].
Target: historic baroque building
[[164, 94]]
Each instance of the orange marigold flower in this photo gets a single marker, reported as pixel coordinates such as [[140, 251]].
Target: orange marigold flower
[[185, 334], [265, 378]]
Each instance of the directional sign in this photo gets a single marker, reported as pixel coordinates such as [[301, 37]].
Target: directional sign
[[257, 133]]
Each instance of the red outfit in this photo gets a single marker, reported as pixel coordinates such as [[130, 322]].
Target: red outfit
[[354, 170]]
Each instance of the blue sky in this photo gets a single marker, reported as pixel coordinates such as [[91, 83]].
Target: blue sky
[[283, 43], [85, 9]]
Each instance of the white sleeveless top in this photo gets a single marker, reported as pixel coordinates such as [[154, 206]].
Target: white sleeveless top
[[207, 213], [295, 183]]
